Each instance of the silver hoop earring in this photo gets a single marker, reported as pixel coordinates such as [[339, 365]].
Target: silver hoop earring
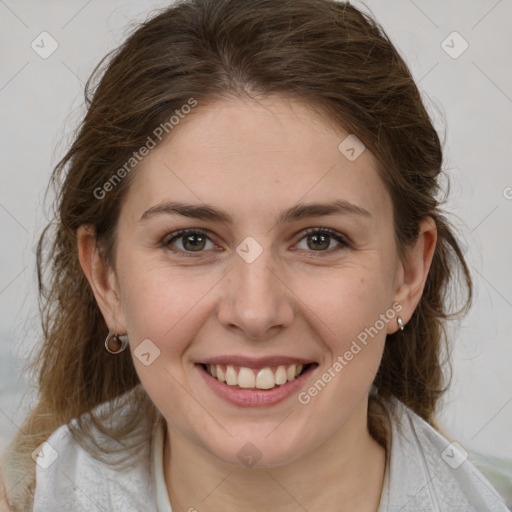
[[400, 323], [116, 343]]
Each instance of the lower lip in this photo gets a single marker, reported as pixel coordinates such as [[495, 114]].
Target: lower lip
[[255, 397]]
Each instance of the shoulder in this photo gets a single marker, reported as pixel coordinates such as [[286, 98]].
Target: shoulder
[[497, 470], [429, 473], [79, 479]]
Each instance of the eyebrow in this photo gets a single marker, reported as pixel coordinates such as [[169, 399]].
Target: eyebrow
[[298, 212]]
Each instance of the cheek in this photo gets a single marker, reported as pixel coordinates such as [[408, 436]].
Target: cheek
[[348, 300], [354, 307], [161, 311], [157, 297], [166, 305], [355, 310]]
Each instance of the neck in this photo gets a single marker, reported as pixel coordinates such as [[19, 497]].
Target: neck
[[345, 473]]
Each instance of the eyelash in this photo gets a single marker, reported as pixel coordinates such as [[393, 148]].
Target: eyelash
[[166, 242]]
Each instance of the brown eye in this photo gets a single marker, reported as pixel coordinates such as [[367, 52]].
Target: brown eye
[[187, 241], [320, 240]]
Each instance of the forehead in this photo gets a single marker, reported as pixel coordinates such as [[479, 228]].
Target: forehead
[[255, 157]]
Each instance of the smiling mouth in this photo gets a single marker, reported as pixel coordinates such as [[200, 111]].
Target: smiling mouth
[[266, 378]]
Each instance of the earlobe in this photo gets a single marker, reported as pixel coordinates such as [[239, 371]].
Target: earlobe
[[414, 268], [101, 278]]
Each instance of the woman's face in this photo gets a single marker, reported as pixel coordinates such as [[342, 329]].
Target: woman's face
[[247, 287]]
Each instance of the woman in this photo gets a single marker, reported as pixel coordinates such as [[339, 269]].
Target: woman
[[245, 297]]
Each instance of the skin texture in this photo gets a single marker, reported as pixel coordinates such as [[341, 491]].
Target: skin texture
[[255, 159]]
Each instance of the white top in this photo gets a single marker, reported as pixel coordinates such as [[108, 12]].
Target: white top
[[162, 497], [424, 473]]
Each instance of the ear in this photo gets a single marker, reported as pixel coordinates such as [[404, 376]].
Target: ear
[[412, 270], [102, 279]]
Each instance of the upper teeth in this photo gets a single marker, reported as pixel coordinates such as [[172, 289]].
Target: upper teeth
[[264, 378]]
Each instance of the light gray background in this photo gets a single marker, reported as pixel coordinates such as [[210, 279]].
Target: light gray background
[[41, 101]]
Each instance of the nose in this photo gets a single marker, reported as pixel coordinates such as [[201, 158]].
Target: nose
[[256, 299]]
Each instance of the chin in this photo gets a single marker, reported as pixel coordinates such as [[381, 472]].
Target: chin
[[260, 450]]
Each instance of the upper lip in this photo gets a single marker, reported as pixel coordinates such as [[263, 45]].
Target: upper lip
[[255, 362]]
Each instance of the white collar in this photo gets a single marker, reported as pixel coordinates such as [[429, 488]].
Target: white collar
[[420, 475], [162, 497], [157, 449]]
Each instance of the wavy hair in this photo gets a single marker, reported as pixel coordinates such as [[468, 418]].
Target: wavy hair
[[325, 53]]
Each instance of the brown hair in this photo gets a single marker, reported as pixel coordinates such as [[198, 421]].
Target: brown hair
[[327, 54]]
